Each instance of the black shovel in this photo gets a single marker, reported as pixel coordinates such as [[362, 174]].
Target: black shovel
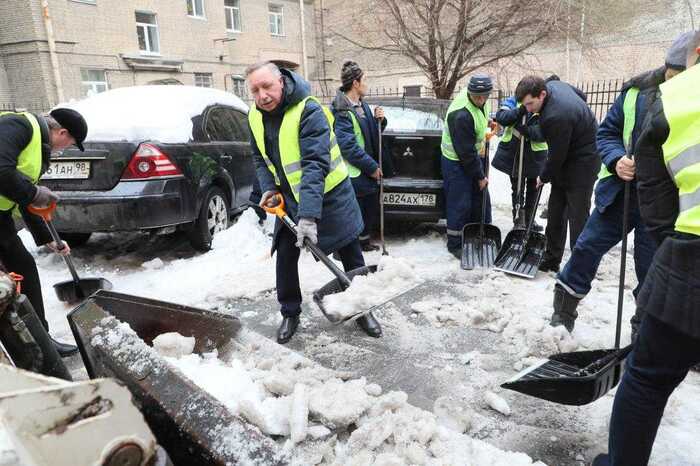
[[342, 280], [480, 241], [580, 377], [77, 289], [523, 249]]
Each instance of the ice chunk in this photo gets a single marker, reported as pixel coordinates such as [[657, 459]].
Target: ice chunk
[[154, 264], [299, 418], [173, 345], [497, 403], [339, 403]]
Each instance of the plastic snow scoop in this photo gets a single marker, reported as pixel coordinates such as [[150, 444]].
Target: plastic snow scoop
[[523, 249], [481, 241], [342, 280], [77, 289], [580, 377]]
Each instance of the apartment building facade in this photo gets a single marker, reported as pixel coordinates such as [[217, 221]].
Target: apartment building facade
[[59, 50]]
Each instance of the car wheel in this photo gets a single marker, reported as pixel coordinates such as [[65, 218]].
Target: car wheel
[[213, 218], [75, 239]]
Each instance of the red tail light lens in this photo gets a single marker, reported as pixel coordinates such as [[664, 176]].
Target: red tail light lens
[[149, 162]]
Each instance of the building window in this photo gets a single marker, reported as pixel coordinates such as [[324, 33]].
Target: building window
[[93, 82], [202, 79], [276, 20], [195, 8], [232, 11], [239, 87], [412, 91], [147, 31]]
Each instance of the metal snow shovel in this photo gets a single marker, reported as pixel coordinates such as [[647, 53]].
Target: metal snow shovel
[[523, 249], [77, 289], [480, 241], [580, 377], [342, 280]]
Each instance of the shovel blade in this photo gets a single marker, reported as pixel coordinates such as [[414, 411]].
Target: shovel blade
[[477, 250], [521, 256], [334, 286], [71, 292], [576, 378]]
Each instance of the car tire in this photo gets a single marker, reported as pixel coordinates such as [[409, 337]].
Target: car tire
[[75, 240], [214, 216]]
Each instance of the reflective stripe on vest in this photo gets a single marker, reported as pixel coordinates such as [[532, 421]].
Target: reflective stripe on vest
[[353, 171], [29, 160], [681, 102], [290, 151], [481, 120], [534, 146], [629, 110]]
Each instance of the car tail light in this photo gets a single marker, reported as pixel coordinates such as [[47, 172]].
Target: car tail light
[[149, 162]]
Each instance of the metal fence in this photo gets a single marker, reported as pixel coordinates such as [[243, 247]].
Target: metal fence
[[38, 109]]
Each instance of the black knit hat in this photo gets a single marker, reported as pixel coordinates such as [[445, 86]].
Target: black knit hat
[[480, 84], [72, 121], [677, 55], [350, 73]]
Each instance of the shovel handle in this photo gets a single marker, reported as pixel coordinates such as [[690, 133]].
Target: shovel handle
[[44, 212], [278, 210], [47, 214]]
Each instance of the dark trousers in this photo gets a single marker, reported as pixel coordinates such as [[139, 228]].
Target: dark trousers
[[288, 291], [369, 207], [462, 201], [567, 205], [529, 187], [658, 363], [17, 259]]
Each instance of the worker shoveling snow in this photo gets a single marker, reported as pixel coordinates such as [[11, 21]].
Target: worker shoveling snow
[[318, 418], [393, 276]]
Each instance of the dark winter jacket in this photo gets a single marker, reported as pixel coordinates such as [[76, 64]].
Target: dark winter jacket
[[15, 134], [609, 136], [671, 290], [365, 160], [337, 212], [569, 127], [461, 126], [507, 154]]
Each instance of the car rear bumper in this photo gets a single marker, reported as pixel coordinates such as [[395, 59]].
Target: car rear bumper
[[131, 205], [415, 213]]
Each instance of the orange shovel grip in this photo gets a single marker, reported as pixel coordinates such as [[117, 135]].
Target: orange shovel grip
[[43, 212], [278, 209]]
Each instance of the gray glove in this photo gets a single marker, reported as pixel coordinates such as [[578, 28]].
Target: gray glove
[[267, 195], [44, 197], [307, 229]]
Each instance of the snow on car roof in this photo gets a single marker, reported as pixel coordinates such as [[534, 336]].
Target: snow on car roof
[[143, 113]]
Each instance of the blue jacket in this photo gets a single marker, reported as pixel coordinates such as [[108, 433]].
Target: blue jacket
[[365, 159], [506, 158], [609, 136], [337, 212]]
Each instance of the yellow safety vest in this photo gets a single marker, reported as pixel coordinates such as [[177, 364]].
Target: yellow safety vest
[[629, 110], [290, 150], [535, 146], [353, 171], [29, 160], [481, 120], [681, 100]]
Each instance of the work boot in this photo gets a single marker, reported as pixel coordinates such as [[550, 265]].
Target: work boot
[[368, 247], [549, 266], [457, 252], [370, 325], [564, 309], [536, 227], [64, 349], [287, 328]]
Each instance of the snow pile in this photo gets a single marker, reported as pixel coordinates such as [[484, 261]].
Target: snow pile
[[411, 120], [173, 344], [149, 113], [393, 276]]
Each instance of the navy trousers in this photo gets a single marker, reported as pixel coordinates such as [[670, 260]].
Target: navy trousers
[[658, 363], [369, 206], [288, 291], [462, 201]]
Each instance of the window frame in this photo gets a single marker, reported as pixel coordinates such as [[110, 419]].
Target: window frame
[[236, 82], [93, 84], [194, 14], [230, 13], [210, 76], [145, 27], [279, 17]]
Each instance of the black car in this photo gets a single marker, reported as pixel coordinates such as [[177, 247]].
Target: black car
[[187, 166], [414, 191]]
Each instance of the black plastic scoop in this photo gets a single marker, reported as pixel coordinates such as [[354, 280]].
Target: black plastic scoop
[[77, 289]]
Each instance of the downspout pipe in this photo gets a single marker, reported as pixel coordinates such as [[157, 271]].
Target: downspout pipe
[[303, 40]]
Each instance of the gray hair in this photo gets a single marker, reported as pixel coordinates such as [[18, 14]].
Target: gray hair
[[51, 122], [263, 64]]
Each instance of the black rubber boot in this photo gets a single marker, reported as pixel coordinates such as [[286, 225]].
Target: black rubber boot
[[457, 252], [287, 329], [370, 325], [564, 309], [368, 247], [549, 266], [64, 349]]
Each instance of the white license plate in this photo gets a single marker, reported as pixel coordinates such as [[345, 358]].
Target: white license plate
[[68, 170], [417, 199]]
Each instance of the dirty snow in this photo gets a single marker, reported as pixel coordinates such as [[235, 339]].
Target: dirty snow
[[173, 344], [163, 113]]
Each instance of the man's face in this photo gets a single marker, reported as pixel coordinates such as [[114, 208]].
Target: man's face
[[534, 104], [479, 100], [61, 139], [266, 88]]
